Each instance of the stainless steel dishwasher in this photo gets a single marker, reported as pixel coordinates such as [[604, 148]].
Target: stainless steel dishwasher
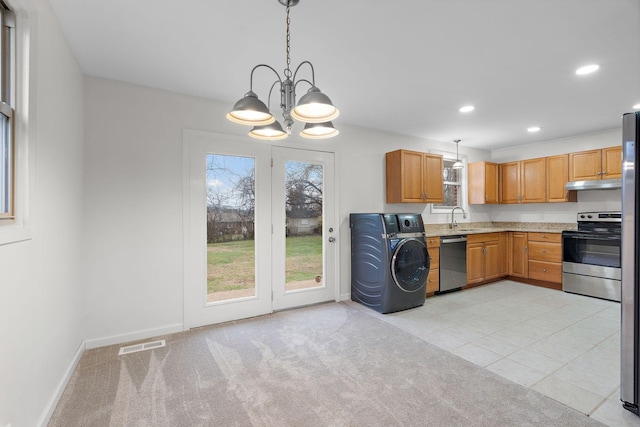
[[453, 263]]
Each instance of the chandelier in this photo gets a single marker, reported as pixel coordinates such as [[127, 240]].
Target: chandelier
[[314, 108]]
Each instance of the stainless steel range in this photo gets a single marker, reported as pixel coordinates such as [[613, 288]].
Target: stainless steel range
[[591, 256]]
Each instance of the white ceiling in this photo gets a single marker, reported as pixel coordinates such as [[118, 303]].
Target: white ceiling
[[404, 66]]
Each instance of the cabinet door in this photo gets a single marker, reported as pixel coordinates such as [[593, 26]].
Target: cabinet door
[[475, 262], [533, 178], [492, 260], [518, 259], [491, 183], [585, 165], [433, 184], [612, 162], [433, 281], [557, 178], [510, 183], [482, 178], [411, 175], [504, 253]]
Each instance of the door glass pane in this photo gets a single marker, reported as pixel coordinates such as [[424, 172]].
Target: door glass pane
[[5, 166], [230, 227], [303, 209]]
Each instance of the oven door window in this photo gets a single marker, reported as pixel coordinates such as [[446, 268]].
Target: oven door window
[[594, 250]]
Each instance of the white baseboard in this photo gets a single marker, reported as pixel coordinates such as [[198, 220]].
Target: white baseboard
[[48, 412], [345, 297], [134, 336]]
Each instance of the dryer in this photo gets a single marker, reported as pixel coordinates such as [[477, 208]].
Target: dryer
[[389, 261]]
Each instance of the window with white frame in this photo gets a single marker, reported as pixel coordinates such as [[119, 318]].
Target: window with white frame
[[454, 187], [7, 112]]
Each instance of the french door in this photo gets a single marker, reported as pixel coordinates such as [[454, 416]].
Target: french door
[[259, 227], [304, 249]]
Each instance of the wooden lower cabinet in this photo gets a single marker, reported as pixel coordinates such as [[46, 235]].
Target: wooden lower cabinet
[[536, 256], [545, 257], [475, 262], [433, 279], [518, 257], [545, 271], [485, 257]]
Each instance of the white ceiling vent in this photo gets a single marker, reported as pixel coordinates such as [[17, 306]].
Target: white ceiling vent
[[141, 347]]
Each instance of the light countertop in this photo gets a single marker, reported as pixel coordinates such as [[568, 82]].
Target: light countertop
[[433, 230]]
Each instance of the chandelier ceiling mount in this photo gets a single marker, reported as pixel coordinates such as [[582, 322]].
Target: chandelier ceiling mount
[[314, 108]]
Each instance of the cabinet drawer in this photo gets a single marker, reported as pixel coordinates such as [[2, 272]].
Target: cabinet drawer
[[545, 237], [433, 242], [483, 237], [546, 271], [434, 254], [433, 280], [545, 251]]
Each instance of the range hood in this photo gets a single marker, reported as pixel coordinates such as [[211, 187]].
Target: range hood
[[599, 184]]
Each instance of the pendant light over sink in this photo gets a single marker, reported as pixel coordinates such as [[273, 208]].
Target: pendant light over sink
[[458, 164], [314, 108]]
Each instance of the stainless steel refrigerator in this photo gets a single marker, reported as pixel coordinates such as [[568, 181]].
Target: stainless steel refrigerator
[[630, 328]]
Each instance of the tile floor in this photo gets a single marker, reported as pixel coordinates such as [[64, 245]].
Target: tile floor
[[562, 345]]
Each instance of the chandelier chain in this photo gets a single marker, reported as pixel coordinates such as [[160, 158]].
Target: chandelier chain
[[287, 71]]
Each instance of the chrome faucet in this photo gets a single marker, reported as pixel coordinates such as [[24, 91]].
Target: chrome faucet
[[454, 224]]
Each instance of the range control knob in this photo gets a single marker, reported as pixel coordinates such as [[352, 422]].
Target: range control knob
[[589, 216]]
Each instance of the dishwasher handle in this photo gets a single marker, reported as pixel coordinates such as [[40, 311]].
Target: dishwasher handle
[[455, 239]]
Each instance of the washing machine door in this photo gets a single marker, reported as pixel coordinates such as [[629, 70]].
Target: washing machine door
[[410, 264]]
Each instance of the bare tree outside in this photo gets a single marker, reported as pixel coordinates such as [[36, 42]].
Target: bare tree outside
[[231, 211]]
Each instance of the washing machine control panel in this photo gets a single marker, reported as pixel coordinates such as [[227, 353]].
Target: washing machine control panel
[[410, 223]]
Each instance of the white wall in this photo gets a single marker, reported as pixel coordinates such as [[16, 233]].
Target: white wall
[[40, 282], [133, 199], [591, 200]]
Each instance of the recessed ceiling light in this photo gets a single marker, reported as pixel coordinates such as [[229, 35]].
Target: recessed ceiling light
[[636, 107], [534, 129], [587, 69], [467, 108]]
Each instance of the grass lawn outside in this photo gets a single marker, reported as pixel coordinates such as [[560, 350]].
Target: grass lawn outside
[[231, 265]]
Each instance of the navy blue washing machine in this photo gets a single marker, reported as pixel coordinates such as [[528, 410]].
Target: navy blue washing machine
[[389, 261]]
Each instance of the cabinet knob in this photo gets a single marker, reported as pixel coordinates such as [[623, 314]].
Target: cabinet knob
[[544, 270], [544, 250]]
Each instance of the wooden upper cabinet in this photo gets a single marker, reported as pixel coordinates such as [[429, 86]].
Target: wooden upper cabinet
[[612, 162], [523, 181], [534, 180], [557, 178], [483, 183], [414, 177], [510, 183], [590, 165], [433, 183]]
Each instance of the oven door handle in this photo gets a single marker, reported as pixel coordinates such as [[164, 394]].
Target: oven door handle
[[591, 237]]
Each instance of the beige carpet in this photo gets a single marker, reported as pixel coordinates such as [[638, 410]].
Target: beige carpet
[[327, 365]]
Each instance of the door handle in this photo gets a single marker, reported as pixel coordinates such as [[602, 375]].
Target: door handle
[[332, 239]]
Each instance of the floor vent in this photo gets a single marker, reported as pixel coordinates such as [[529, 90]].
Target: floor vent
[[141, 347]]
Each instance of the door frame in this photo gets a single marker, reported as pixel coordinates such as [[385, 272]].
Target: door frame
[[188, 136]]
